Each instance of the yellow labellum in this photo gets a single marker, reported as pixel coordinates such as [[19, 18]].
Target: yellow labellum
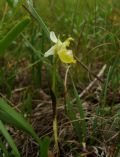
[[66, 56]]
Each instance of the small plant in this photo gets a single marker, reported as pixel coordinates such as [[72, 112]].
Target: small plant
[[59, 50]]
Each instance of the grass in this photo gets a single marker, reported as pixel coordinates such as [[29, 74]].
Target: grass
[[49, 108]]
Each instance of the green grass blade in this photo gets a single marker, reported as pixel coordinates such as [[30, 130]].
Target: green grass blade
[[75, 121], [9, 120], [31, 47], [17, 118], [105, 88], [13, 33], [3, 148], [9, 139], [39, 19], [81, 111], [44, 147]]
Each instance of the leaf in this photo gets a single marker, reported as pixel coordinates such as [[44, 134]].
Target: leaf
[[39, 19], [44, 147], [9, 139], [75, 121], [3, 148], [81, 112], [11, 116], [13, 33]]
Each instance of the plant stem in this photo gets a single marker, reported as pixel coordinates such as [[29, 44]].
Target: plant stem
[[54, 105]]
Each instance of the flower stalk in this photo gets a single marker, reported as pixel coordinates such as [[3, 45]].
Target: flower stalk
[[54, 105]]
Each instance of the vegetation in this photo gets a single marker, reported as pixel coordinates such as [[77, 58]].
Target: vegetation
[[59, 78]]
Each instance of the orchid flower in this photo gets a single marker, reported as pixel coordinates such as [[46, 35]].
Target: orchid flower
[[60, 49]]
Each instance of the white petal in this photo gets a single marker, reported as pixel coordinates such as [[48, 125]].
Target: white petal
[[53, 37], [49, 52]]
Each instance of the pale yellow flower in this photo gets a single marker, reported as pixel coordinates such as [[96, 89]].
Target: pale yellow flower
[[60, 49]]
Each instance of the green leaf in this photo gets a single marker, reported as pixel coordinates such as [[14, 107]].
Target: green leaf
[[75, 121], [105, 89], [9, 139], [13, 33], [3, 148], [16, 118], [44, 147], [81, 112], [39, 19]]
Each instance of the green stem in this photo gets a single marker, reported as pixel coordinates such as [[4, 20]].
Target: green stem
[[54, 105], [54, 79], [55, 130]]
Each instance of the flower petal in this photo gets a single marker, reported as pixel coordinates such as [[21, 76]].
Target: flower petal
[[50, 52], [66, 56], [53, 37]]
